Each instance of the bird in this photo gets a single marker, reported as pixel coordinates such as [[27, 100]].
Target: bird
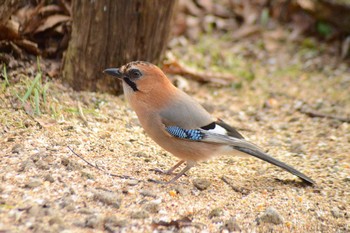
[[179, 124]]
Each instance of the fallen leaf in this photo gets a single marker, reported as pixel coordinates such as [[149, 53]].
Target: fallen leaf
[[29, 46], [50, 10], [52, 21], [9, 30]]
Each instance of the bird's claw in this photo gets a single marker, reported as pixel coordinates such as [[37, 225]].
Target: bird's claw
[[160, 171], [157, 181]]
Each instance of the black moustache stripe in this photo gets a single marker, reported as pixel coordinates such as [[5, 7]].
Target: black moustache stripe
[[131, 84]]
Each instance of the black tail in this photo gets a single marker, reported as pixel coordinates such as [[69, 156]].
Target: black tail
[[269, 159]]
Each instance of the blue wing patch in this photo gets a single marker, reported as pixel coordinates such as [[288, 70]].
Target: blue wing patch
[[190, 134]]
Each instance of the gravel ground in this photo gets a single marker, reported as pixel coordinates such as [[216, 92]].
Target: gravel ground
[[46, 188]]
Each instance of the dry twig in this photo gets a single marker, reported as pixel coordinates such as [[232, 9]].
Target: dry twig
[[312, 113], [96, 167]]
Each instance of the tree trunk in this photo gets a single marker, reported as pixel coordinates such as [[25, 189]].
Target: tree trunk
[[109, 33]]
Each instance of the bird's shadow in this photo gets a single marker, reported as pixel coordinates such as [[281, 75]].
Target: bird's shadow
[[295, 183], [260, 184]]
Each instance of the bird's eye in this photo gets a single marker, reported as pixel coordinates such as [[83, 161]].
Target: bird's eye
[[134, 74]]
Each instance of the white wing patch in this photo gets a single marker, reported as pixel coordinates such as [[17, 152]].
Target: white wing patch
[[218, 129]]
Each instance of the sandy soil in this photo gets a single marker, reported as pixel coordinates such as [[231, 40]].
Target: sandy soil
[[44, 187]]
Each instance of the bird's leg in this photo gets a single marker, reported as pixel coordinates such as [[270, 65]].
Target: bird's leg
[[189, 165], [170, 171]]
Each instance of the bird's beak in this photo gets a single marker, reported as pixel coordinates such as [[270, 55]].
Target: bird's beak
[[114, 72]]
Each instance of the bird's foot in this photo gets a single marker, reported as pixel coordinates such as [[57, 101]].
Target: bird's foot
[[160, 171], [158, 181]]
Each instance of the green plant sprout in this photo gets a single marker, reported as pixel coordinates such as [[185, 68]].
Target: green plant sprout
[[6, 83], [36, 91]]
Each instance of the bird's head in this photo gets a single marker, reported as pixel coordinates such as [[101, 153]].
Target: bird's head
[[139, 77]]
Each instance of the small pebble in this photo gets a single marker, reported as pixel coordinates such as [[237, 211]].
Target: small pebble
[[68, 127], [112, 221], [37, 156], [180, 190], [271, 216], [201, 183], [65, 161], [142, 214], [28, 123], [294, 119], [34, 210], [71, 191], [85, 211], [151, 207], [107, 198], [94, 222], [26, 165], [43, 165], [70, 165], [148, 193], [297, 147], [284, 127], [65, 202], [232, 226], [132, 182], [87, 175], [16, 149], [104, 135], [55, 220], [39, 227], [39, 211], [336, 212], [217, 220], [274, 142], [33, 183], [79, 223], [48, 177], [215, 212]]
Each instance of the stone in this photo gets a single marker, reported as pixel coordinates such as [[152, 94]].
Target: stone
[[26, 165], [232, 226], [87, 175], [151, 207], [217, 212], [132, 182], [108, 198], [271, 215], [336, 212], [33, 183], [94, 222], [48, 177], [43, 165], [112, 221], [55, 220], [148, 193], [297, 148], [142, 214], [201, 183], [17, 148]]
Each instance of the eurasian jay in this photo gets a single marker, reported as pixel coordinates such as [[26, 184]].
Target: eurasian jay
[[179, 124]]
